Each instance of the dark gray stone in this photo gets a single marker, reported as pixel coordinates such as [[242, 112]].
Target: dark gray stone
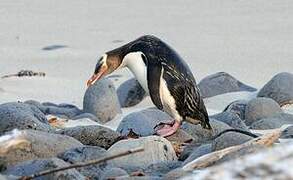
[[130, 93], [221, 83], [202, 135], [143, 123], [22, 116], [237, 107], [84, 154], [188, 150], [231, 119], [287, 133], [113, 173], [273, 122], [260, 108], [31, 167], [62, 110], [161, 168], [279, 88], [197, 152], [37, 144], [94, 135], [229, 139], [101, 100]]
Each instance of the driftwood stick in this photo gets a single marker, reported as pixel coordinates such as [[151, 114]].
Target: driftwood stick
[[209, 159], [82, 164]]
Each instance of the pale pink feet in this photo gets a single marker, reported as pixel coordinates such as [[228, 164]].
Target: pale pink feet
[[168, 129]]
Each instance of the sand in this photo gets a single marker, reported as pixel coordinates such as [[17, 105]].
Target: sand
[[251, 40]]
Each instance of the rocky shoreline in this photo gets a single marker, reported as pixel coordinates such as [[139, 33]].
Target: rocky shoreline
[[36, 136]]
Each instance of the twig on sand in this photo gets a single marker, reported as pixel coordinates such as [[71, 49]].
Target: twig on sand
[[209, 159], [82, 164], [25, 73]]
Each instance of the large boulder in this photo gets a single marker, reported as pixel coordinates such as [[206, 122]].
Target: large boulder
[[201, 135], [273, 122], [31, 144], [156, 149], [260, 108], [161, 168], [22, 116], [34, 166], [221, 83], [143, 123], [93, 135], [101, 100], [231, 119], [130, 93], [279, 88], [84, 154]]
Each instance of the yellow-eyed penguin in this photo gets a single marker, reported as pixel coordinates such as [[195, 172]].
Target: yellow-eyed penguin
[[164, 75]]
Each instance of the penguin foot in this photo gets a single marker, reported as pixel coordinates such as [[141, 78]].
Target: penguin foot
[[168, 129]]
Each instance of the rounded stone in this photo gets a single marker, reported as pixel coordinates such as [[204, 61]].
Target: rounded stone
[[130, 93], [237, 107], [156, 149], [22, 116], [259, 108], [143, 123], [221, 83], [231, 119], [101, 100], [273, 122], [229, 139], [279, 88], [93, 135]]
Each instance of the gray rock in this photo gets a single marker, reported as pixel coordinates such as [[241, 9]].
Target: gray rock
[[156, 149], [180, 137], [34, 166], [188, 150], [143, 123], [161, 168], [197, 152], [231, 119], [93, 135], [237, 107], [85, 116], [130, 93], [113, 173], [84, 154], [287, 133], [101, 100], [260, 108], [202, 135], [62, 110], [279, 88], [229, 139], [22, 116], [221, 83], [273, 122], [37, 144]]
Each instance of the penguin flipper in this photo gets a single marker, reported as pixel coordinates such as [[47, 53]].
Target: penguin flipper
[[153, 80]]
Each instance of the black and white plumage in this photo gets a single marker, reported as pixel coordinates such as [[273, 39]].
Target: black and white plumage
[[163, 74]]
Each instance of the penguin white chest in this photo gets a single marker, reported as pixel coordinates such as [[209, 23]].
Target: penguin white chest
[[168, 101], [136, 65]]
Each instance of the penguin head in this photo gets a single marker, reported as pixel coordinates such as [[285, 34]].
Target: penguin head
[[122, 57]]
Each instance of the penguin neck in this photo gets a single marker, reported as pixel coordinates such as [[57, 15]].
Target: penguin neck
[[136, 65]]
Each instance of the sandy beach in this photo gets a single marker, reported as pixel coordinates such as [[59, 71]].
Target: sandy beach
[[250, 40]]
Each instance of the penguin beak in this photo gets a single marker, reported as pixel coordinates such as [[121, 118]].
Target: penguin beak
[[99, 73]]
